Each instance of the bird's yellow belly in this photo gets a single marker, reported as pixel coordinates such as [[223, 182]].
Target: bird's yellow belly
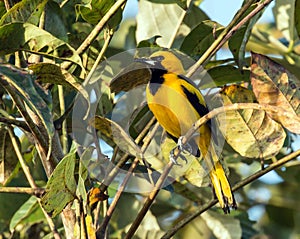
[[172, 110]]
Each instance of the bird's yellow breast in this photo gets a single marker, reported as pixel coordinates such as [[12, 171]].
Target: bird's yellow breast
[[171, 107]]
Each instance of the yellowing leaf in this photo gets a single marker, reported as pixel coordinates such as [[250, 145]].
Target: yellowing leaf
[[252, 133], [274, 85]]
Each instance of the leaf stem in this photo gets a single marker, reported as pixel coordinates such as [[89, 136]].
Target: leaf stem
[[64, 123], [21, 159], [148, 202], [108, 36]]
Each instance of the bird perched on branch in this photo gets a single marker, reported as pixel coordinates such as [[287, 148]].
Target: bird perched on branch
[[177, 104]]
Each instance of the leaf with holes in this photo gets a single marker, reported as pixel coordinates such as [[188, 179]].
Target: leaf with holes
[[274, 85], [252, 133]]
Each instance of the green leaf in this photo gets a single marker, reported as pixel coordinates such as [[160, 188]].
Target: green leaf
[[180, 3], [150, 23], [33, 39], [61, 187], [192, 17], [93, 11], [29, 213], [222, 226], [20, 83], [200, 38], [54, 21], [25, 11], [297, 16], [237, 43], [222, 75], [50, 73]]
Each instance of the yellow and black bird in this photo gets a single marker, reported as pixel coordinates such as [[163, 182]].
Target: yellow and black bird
[[177, 103]]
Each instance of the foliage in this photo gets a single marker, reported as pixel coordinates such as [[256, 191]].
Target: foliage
[[76, 129]]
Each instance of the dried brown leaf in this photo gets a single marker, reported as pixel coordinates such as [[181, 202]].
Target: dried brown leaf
[[274, 85]]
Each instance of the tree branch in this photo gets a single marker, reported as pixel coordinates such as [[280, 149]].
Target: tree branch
[[232, 27], [31, 191]]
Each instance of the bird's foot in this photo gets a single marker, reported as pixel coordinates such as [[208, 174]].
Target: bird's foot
[[182, 147]]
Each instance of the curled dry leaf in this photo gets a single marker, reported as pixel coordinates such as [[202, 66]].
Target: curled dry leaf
[[252, 133], [274, 85]]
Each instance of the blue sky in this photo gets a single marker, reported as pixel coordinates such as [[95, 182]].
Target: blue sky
[[221, 11]]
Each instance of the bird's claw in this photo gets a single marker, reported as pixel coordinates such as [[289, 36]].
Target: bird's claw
[[173, 158], [184, 147]]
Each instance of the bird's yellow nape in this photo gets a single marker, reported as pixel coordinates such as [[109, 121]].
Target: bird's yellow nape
[[170, 62]]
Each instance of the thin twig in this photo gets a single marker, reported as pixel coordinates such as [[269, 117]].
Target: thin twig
[[226, 33], [31, 191], [24, 166], [7, 5], [255, 11], [138, 220], [97, 29], [62, 106], [18, 123], [237, 186], [135, 163], [107, 38], [31, 181]]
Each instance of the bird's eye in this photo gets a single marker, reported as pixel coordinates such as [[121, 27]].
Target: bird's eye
[[158, 58]]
